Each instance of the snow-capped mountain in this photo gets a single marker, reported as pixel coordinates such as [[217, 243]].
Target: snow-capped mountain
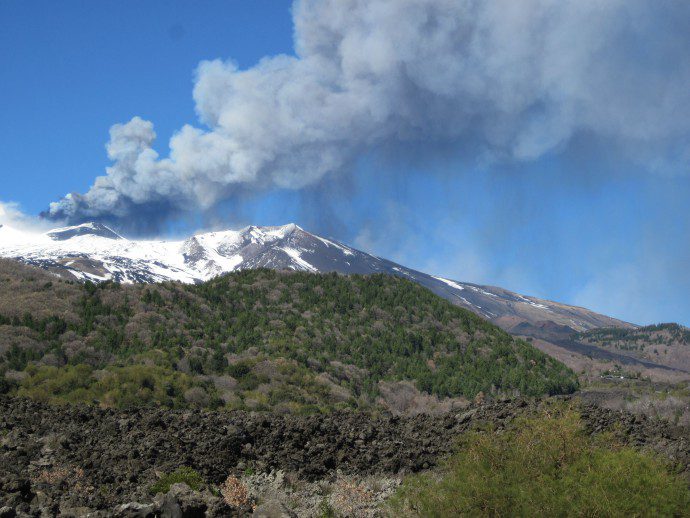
[[92, 251]]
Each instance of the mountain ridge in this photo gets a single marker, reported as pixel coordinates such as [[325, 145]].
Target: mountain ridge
[[92, 251]]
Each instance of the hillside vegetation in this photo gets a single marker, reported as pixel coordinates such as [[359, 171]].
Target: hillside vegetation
[[664, 344], [639, 337], [256, 339]]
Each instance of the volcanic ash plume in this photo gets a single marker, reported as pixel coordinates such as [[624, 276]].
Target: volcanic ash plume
[[501, 80]]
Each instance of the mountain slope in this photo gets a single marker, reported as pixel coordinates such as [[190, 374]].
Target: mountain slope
[[253, 339], [663, 344], [94, 252]]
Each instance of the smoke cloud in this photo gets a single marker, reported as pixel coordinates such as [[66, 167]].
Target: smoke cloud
[[12, 215], [504, 81]]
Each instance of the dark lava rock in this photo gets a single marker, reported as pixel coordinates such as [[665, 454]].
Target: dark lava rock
[[90, 458]]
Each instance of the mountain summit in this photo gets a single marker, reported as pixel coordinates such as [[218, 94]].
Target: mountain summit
[[85, 229], [92, 251]]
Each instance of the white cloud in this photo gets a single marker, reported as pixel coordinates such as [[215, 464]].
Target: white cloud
[[11, 215]]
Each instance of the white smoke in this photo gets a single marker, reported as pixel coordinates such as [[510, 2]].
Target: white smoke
[[11, 215], [502, 79]]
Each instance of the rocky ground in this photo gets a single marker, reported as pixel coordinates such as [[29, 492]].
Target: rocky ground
[[86, 461]]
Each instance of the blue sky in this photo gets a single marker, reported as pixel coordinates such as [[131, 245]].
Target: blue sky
[[72, 69], [580, 219]]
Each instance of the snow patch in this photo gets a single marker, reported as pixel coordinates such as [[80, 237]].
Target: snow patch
[[327, 242], [525, 300], [295, 256], [449, 283]]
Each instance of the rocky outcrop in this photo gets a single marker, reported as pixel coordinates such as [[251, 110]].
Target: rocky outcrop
[[79, 460]]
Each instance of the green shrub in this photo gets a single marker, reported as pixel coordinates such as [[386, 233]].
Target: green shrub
[[545, 466], [5, 385], [70, 384], [180, 475], [115, 387], [239, 370]]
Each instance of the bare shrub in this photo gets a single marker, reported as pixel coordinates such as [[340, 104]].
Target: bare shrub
[[197, 396], [351, 498], [72, 477], [235, 493], [53, 476]]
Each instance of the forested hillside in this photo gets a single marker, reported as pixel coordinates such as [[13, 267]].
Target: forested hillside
[[665, 344], [259, 339]]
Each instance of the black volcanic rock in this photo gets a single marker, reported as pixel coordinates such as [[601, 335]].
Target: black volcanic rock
[[120, 452]]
